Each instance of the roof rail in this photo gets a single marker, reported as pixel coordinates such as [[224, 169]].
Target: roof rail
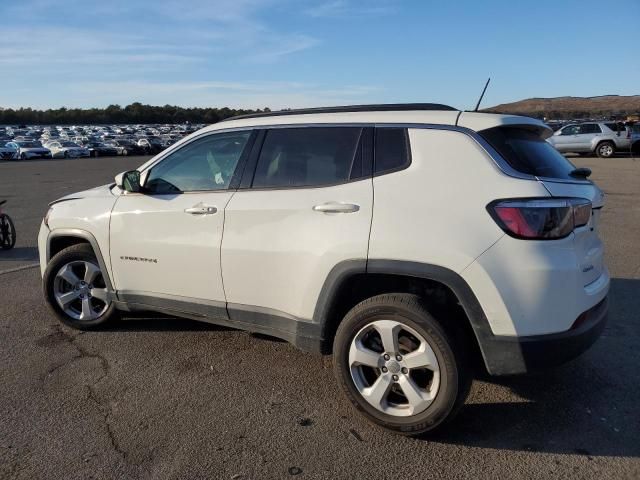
[[388, 107]]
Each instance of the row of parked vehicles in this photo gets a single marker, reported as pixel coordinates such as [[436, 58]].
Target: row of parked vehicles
[[585, 138], [88, 141], [600, 138]]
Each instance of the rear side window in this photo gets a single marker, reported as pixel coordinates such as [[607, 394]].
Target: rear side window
[[307, 157], [527, 153], [591, 128], [391, 149]]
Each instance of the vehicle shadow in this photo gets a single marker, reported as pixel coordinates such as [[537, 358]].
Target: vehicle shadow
[[19, 254], [586, 407], [157, 322]]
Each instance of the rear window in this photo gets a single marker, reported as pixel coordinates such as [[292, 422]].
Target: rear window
[[527, 153]]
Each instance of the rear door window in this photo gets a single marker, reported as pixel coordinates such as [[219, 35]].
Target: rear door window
[[308, 157], [591, 128], [527, 153]]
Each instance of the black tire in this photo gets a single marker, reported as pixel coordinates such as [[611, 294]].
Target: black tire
[[7, 232], [79, 252], [66, 154], [605, 149], [23, 156], [455, 375]]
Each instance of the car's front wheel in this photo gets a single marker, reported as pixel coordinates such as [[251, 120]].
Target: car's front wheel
[[75, 289], [398, 365]]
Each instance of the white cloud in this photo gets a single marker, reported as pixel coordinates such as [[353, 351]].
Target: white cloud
[[348, 8]]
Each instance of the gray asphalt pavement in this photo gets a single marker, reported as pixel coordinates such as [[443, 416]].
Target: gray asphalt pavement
[[168, 398]]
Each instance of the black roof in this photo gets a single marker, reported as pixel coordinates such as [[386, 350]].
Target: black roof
[[388, 107]]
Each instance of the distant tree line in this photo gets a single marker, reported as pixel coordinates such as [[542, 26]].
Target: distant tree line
[[115, 114]]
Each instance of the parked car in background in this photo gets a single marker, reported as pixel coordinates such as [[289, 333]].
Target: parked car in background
[[28, 149], [602, 138], [152, 145], [9, 151], [635, 137], [67, 149], [100, 149], [129, 147]]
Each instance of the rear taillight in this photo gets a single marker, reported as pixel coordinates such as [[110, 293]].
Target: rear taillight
[[540, 218]]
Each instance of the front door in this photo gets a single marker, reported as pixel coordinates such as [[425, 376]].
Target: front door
[[165, 242]]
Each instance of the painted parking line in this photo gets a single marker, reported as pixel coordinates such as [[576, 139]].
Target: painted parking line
[[18, 269]]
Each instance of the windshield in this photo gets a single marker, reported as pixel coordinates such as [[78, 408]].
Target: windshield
[[29, 144], [527, 153]]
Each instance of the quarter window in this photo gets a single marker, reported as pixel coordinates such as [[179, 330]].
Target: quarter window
[[307, 157], [615, 127], [392, 149], [205, 164]]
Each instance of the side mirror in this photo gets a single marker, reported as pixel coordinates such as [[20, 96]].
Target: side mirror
[[129, 181]]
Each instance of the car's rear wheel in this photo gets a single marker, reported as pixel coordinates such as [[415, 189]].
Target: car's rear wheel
[[399, 366], [7, 232], [605, 149], [76, 290]]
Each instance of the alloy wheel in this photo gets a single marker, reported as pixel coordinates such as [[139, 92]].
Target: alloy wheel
[[394, 368], [606, 150], [80, 290]]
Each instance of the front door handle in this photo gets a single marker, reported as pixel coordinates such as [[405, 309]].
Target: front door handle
[[201, 210], [336, 207]]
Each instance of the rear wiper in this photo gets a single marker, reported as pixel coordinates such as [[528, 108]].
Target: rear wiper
[[581, 172]]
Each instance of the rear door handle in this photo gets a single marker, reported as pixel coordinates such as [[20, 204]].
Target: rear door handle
[[337, 207], [201, 210]]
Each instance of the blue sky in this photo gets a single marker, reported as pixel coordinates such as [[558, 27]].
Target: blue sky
[[297, 53]]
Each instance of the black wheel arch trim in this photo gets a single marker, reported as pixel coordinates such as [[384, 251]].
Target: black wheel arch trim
[[85, 237], [495, 362], [344, 270]]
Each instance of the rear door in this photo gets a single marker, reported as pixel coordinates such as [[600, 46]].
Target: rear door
[[587, 138], [305, 206]]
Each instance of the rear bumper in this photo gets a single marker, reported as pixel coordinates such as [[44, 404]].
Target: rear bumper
[[516, 355]]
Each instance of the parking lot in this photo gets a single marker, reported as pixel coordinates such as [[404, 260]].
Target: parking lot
[[171, 398]]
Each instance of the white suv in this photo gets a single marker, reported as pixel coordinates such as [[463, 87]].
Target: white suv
[[400, 238]]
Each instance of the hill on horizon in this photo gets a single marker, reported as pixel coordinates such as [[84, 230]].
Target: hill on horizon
[[572, 107]]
